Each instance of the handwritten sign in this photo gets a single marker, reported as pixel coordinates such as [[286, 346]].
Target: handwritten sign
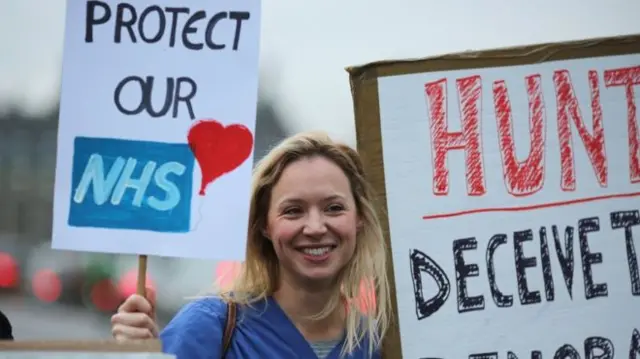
[[157, 115], [512, 181]]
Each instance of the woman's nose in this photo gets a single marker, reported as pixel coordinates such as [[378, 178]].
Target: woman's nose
[[315, 224]]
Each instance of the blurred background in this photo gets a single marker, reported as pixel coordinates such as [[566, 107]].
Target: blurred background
[[305, 47]]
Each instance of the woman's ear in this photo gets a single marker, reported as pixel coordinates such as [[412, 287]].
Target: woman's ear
[[265, 233]]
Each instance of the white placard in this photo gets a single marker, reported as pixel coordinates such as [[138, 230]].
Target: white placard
[[157, 115], [513, 209]]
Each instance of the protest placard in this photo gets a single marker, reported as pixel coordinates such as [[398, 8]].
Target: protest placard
[[511, 180], [155, 138]]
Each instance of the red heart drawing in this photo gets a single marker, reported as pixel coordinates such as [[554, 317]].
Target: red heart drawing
[[218, 149]]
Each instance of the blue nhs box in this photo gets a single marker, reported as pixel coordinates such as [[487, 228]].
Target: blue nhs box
[[128, 184]]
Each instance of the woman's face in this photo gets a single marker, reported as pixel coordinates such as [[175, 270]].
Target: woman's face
[[312, 220]]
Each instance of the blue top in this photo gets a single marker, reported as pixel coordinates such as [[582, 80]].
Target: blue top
[[262, 331]]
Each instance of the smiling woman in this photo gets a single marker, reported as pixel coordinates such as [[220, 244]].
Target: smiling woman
[[314, 241], [310, 221]]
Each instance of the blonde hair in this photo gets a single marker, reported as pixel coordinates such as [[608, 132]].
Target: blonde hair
[[258, 277]]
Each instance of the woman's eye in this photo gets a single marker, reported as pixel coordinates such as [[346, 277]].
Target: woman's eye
[[291, 211], [335, 208]]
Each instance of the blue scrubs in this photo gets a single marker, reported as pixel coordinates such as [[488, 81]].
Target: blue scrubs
[[262, 331]]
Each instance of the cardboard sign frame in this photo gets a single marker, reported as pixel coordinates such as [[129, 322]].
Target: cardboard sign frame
[[364, 90], [148, 346]]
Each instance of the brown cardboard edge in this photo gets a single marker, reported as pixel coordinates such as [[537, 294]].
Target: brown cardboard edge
[[370, 149], [364, 91], [521, 55], [149, 346]]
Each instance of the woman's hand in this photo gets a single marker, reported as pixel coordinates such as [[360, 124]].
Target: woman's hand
[[135, 319]]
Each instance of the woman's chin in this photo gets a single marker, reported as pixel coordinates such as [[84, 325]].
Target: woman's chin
[[318, 277]]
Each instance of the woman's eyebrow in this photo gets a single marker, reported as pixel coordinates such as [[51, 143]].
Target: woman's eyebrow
[[335, 197], [297, 200]]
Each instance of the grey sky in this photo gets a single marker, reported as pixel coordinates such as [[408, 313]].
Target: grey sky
[[307, 44]]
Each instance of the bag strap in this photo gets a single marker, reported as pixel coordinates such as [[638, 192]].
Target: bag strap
[[229, 327]]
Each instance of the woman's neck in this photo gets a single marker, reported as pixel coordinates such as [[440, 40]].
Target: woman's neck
[[300, 304]]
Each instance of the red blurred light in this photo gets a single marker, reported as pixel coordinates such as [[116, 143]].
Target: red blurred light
[[366, 299], [8, 271], [46, 285], [129, 281], [105, 296], [226, 272]]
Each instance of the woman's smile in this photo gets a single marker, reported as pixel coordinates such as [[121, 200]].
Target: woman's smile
[[317, 254]]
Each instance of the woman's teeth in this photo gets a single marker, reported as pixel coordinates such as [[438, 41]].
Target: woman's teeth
[[316, 251]]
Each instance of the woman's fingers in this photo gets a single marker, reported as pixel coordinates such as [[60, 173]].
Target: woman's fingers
[[125, 333], [135, 319], [136, 304], [138, 320]]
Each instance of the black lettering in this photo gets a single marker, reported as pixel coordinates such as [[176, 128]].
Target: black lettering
[[565, 259], [501, 300], [162, 23], [591, 290], [239, 16], [463, 271], [522, 263], [566, 351], [193, 89], [545, 261], [634, 348], [422, 263], [174, 11], [122, 23], [117, 94], [603, 345], [190, 29], [167, 97], [209, 31], [128, 21], [172, 96], [492, 355], [626, 220], [91, 19], [536, 354]]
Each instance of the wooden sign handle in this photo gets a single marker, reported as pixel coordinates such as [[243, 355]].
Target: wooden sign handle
[[142, 276]]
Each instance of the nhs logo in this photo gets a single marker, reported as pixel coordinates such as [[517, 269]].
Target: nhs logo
[[126, 184]]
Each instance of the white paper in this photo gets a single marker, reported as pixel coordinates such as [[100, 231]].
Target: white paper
[[95, 140], [545, 325]]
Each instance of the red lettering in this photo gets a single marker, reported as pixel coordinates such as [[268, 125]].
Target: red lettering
[[628, 77], [469, 92], [521, 178], [567, 106]]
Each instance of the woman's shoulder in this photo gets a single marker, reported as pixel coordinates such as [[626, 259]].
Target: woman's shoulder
[[197, 329], [213, 306], [199, 312]]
